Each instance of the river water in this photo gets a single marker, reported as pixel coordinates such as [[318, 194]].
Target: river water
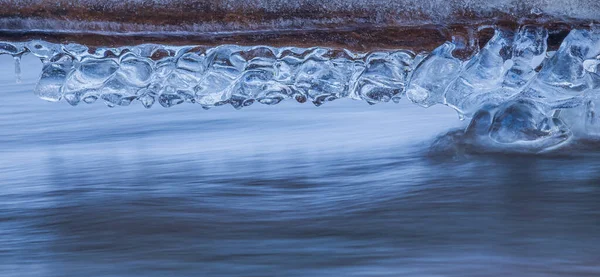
[[345, 189]]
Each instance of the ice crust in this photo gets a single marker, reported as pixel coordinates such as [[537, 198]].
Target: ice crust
[[516, 93]]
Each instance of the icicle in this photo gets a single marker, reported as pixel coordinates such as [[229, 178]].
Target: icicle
[[17, 68]]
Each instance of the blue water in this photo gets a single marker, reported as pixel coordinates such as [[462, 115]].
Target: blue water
[[345, 189]]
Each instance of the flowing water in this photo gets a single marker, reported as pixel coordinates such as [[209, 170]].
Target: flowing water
[[345, 189]]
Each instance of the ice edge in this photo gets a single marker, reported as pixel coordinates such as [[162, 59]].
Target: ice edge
[[513, 88]]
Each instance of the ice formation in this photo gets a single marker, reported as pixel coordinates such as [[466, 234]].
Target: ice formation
[[516, 92]]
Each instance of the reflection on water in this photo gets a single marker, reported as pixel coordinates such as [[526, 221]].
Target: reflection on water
[[345, 189]]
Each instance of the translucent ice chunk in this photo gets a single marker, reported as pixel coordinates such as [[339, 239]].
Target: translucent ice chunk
[[184, 73], [116, 93], [592, 66], [565, 68], [146, 97], [76, 50], [169, 96], [592, 119], [134, 70], [515, 126], [96, 71], [433, 75], [258, 84], [321, 79], [88, 77], [54, 74], [584, 120], [223, 66], [525, 123], [482, 76], [384, 77], [563, 81], [7, 48], [529, 50], [43, 50]]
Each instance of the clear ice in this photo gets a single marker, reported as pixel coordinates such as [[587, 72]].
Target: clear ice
[[516, 93]]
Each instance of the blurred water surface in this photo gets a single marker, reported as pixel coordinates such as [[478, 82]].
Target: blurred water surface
[[345, 189]]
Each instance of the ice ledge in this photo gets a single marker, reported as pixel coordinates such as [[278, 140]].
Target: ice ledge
[[516, 91]]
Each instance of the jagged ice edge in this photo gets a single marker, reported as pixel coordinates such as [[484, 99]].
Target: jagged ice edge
[[513, 86], [213, 76]]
